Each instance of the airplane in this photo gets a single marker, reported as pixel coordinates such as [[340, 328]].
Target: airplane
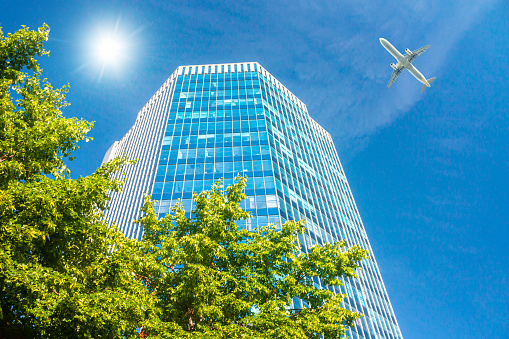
[[405, 61]]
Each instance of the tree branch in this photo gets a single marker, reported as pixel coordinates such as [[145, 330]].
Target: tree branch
[[7, 157]]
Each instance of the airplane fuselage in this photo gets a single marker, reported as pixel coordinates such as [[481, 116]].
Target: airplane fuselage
[[403, 61]]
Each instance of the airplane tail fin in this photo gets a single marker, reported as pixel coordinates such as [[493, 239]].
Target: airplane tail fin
[[429, 82]]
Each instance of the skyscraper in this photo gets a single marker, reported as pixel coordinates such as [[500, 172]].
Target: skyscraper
[[216, 121]]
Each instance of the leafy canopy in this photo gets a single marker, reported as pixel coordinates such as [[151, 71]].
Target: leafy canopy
[[65, 274], [58, 275], [213, 279], [34, 135]]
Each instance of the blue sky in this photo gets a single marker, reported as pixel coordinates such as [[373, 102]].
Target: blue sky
[[429, 171]]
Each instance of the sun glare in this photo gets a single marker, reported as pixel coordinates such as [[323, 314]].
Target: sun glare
[[109, 50]]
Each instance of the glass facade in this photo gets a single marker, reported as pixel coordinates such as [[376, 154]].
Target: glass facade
[[223, 120]]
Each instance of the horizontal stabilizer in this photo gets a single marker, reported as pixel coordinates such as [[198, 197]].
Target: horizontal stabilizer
[[429, 82]]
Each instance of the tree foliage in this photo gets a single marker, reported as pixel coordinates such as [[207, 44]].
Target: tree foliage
[[34, 136], [58, 275], [213, 279], [65, 274]]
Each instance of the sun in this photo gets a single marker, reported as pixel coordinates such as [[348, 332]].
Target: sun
[[109, 49]]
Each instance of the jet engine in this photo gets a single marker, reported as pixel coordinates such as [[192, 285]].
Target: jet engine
[[408, 51], [394, 66]]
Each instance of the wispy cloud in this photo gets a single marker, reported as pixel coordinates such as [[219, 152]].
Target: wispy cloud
[[343, 71]]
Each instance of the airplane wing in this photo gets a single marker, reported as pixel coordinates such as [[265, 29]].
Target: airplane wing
[[411, 56], [395, 74]]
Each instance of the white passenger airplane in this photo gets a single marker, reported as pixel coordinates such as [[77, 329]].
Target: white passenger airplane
[[405, 61]]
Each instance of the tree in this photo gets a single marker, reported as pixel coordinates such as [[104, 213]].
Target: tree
[[213, 279], [64, 273], [58, 275]]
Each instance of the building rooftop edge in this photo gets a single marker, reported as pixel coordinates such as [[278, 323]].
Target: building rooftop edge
[[236, 67], [252, 66]]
